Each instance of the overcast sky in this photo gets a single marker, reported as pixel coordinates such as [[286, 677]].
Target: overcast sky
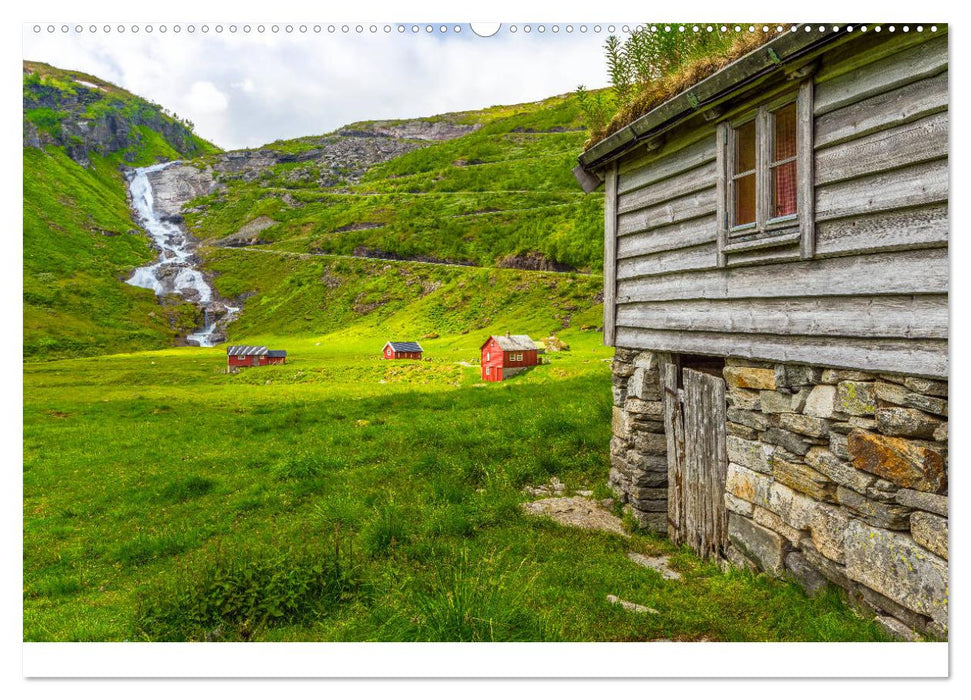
[[244, 90]]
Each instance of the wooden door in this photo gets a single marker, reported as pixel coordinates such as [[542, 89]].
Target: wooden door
[[695, 425]]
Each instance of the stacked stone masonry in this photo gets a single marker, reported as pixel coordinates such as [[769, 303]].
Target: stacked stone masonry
[[834, 476]]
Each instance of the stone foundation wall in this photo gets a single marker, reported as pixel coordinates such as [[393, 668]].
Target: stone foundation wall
[[833, 475]]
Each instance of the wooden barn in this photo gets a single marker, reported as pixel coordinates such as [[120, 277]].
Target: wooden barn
[[402, 351], [503, 356], [253, 356], [776, 288]]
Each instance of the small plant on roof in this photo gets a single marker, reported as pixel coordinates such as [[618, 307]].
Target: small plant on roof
[[656, 62]]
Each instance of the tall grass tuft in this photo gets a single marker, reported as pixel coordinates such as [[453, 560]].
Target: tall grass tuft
[[478, 603]]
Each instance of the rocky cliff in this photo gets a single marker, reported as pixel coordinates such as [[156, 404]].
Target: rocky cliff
[[86, 115]]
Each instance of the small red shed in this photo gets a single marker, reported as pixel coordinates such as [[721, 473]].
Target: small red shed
[[402, 351], [506, 355], [253, 356]]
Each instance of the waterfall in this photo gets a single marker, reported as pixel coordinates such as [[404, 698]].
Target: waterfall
[[174, 271]]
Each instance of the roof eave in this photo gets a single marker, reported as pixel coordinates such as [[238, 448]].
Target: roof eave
[[776, 55]]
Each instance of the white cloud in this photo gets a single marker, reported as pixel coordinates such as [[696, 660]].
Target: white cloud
[[244, 90], [205, 98]]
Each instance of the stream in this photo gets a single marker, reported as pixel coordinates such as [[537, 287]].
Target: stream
[[174, 272]]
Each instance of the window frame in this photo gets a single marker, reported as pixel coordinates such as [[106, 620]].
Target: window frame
[[792, 230]]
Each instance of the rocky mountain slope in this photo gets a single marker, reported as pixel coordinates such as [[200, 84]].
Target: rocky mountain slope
[[80, 242]]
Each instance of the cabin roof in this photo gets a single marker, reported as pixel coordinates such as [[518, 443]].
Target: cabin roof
[[247, 350], [407, 346], [513, 342], [782, 54], [276, 353]]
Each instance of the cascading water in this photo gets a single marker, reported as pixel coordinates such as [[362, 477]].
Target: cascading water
[[174, 271]]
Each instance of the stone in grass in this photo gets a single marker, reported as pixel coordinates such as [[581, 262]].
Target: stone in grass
[[629, 606], [575, 511], [658, 564], [900, 461]]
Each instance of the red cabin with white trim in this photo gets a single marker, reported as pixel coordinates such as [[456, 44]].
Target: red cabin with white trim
[[504, 356], [253, 356]]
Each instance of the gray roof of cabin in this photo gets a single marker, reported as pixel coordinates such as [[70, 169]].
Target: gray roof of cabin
[[276, 353], [408, 346], [780, 54], [515, 342], [246, 350]]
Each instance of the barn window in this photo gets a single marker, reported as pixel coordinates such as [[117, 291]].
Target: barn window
[[765, 178], [488, 356]]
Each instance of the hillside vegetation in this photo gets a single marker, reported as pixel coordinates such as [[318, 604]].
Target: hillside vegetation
[[80, 243], [501, 195]]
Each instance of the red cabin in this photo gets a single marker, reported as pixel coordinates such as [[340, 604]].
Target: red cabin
[[504, 356], [253, 356], [402, 351]]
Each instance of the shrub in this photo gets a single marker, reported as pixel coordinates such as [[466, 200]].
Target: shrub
[[242, 591]]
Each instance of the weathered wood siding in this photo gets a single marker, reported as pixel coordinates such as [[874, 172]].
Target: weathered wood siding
[[873, 295]]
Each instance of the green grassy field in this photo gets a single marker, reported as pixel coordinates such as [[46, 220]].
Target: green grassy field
[[342, 497]]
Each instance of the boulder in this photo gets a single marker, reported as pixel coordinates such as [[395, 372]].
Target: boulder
[[888, 516], [892, 564], [766, 548], [856, 398], [900, 461], [644, 384], [803, 479], [750, 377], [785, 439], [745, 399], [926, 386], [927, 403], [842, 473], [749, 453], [620, 423], [921, 500], [827, 527], [930, 532], [821, 402], [804, 425], [906, 422], [804, 574], [775, 402]]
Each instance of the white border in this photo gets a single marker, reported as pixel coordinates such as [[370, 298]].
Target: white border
[[499, 660], [595, 660]]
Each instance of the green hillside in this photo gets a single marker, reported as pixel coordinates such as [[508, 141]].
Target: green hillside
[[80, 243], [502, 195]]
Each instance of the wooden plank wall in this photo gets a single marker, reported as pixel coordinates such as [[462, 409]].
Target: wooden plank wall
[[874, 294]]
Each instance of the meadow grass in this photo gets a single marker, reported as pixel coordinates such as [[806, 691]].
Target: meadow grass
[[342, 497]]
